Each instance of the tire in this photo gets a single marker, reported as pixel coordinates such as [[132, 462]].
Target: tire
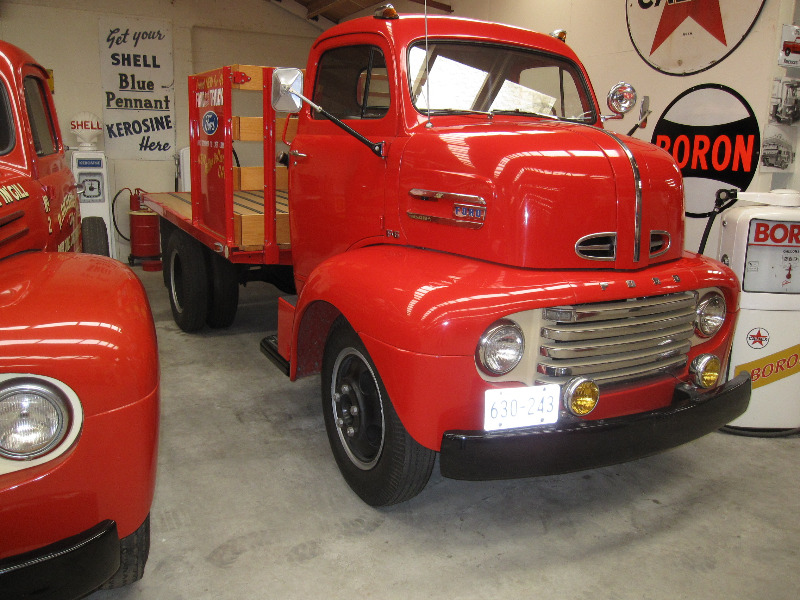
[[188, 281], [95, 236], [165, 231], [377, 457], [133, 553], [223, 296]]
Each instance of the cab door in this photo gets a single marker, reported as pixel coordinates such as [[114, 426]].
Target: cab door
[[336, 182], [48, 163]]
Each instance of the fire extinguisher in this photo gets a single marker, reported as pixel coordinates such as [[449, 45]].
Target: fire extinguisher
[[145, 237]]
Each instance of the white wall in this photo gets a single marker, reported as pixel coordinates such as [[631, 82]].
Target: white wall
[[257, 31]]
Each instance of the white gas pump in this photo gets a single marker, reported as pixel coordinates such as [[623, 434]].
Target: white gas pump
[[90, 168], [760, 241]]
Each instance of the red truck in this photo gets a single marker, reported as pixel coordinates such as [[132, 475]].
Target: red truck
[[79, 375], [480, 270]]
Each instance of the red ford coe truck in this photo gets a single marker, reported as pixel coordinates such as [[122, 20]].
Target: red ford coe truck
[[480, 269], [79, 374]]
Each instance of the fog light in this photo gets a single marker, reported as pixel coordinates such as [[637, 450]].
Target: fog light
[[33, 420], [581, 396], [706, 369]]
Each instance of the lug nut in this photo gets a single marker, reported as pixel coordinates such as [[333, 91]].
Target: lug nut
[[354, 410], [351, 431]]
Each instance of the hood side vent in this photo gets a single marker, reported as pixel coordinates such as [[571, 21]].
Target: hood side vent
[[659, 243], [598, 246]]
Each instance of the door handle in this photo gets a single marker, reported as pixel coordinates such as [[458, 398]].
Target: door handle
[[298, 154]]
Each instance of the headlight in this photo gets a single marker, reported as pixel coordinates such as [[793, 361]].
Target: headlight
[[33, 419], [501, 348], [710, 315]]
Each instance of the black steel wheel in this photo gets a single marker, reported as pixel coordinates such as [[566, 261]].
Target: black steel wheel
[[379, 460], [188, 281], [95, 236], [133, 552]]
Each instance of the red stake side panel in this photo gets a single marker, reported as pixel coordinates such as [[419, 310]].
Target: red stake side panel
[[215, 178], [211, 153]]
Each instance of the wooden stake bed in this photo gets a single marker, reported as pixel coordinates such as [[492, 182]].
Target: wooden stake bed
[[248, 214], [225, 209]]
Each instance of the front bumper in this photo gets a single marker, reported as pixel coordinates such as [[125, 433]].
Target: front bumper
[[562, 448], [66, 570]]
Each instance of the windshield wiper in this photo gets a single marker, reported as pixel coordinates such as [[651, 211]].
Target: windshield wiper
[[527, 113]]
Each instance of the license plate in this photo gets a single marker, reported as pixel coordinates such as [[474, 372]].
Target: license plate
[[521, 407]]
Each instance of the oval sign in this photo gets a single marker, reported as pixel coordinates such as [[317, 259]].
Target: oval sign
[[712, 133], [683, 37]]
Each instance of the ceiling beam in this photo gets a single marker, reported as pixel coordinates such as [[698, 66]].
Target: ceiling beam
[[433, 4], [318, 7]]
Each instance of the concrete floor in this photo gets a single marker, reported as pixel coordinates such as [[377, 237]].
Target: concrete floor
[[250, 504]]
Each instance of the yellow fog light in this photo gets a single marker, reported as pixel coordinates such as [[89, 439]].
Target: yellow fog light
[[581, 396], [706, 369]]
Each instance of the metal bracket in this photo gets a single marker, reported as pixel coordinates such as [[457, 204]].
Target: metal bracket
[[240, 77]]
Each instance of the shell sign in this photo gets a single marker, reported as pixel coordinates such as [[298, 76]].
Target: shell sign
[[683, 37]]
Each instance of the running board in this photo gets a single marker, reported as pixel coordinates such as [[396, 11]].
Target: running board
[[269, 346]]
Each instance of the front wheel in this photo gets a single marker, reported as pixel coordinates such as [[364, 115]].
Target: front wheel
[[133, 553], [378, 458]]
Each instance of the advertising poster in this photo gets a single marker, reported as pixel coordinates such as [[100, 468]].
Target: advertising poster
[[138, 88]]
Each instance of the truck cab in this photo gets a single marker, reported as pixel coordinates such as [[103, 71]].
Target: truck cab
[[79, 375]]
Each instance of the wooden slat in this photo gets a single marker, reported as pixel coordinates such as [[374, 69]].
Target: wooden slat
[[256, 77], [248, 178], [247, 129]]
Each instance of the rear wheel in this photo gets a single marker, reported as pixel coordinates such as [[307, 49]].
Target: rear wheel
[[223, 291], [188, 283], [378, 458], [133, 553]]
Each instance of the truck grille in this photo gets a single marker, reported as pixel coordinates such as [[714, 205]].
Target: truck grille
[[615, 341]]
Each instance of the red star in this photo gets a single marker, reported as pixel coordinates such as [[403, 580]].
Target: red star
[[705, 12], [758, 338]]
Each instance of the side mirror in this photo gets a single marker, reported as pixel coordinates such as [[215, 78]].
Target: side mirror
[[621, 99], [287, 90], [644, 112]]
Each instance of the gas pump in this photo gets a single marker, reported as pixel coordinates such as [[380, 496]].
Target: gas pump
[[90, 168], [760, 241]]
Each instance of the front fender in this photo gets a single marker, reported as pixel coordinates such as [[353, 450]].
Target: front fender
[[82, 319], [421, 313]]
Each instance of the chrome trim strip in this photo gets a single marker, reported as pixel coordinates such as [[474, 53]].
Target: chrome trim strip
[[444, 220], [433, 196], [637, 181]]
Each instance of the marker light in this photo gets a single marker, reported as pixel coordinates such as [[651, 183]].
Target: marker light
[[386, 12], [500, 348], [706, 369], [580, 396]]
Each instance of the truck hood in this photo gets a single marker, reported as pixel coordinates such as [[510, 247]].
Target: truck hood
[[541, 195]]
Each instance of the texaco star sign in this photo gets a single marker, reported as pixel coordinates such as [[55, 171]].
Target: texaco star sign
[[683, 37]]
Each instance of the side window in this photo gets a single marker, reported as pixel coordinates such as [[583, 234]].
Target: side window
[[6, 122], [41, 120], [352, 83]]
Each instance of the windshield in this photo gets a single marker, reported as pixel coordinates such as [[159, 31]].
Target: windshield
[[470, 77]]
